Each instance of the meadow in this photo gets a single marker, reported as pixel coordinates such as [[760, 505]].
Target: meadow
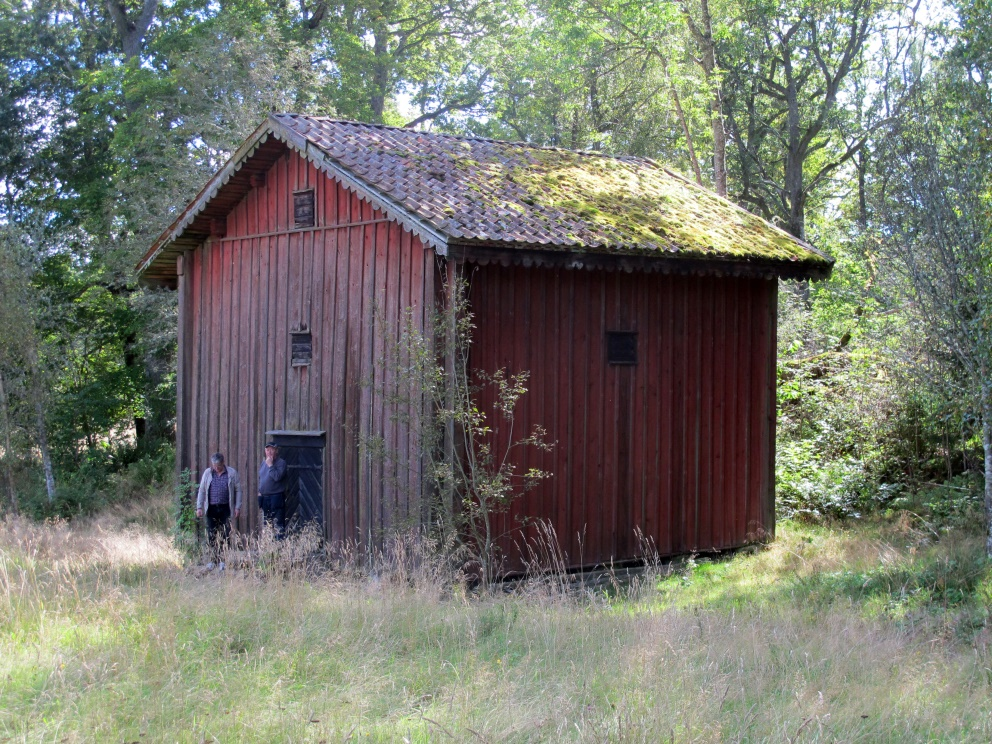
[[874, 631]]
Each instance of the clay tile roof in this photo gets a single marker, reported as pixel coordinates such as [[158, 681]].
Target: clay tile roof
[[473, 189], [465, 190]]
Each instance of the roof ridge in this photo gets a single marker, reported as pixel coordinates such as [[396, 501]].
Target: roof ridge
[[470, 137]]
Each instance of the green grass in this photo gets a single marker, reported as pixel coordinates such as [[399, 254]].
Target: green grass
[[867, 633]]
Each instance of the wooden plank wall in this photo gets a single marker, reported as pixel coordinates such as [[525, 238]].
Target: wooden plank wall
[[347, 281], [680, 446]]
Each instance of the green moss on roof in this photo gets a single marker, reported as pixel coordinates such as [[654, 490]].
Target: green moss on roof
[[634, 203]]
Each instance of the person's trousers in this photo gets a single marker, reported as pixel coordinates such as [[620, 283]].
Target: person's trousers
[[274, 513], [218, 527]]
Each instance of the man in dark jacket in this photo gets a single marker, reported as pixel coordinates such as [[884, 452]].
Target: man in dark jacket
[[272, 489]]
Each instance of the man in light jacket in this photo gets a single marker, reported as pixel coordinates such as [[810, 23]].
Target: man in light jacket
[[219, 497]]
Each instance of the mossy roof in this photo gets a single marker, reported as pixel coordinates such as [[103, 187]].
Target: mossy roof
[[481, 190], [472, 192]]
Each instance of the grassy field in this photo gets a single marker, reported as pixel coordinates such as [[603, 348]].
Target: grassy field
[[876, 632]]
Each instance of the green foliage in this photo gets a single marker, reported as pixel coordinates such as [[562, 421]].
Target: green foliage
[[123, 477], [895, 568], [955, 504], [814, 485], [185, 525]]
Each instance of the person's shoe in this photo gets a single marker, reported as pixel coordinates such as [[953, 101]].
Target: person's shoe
[[221, 566], [210, 566]]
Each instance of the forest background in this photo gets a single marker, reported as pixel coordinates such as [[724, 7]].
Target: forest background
[[861, 126]]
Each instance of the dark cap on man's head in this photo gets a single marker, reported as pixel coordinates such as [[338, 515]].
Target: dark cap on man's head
[[271, 444]]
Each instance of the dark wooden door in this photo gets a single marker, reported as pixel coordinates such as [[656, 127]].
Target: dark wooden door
[[304, 456]]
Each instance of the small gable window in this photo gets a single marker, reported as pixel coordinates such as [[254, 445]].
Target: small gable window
[[303, 210], [302, 349]]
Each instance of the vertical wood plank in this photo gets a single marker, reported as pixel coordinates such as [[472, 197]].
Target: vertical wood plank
[[280, 313], [666, 511], [563, 477], [354, 252], [743, 396], [319, 330], [234, 381], [290, 300], [366, 423], [353, 419], [255, 367], [704, 456], [771, 411], [651, 412], [720, 364], [182, 365], [759, 407], [268, 333], [600, 400], [342, 465], [211, 348], [327, 402], [196, 290], [252, 204], [379, 492], [730, 411]]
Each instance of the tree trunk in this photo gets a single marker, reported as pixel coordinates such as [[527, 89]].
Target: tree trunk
[[716, 102], [702, 32], [685, 125], [133, 361], [132, 30], [380, 76], [987, 447], [719, 144], [862, 167], [46, 455], [8, 474]]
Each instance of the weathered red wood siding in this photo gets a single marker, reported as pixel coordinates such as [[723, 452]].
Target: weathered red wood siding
[[679, 446], [346, 281]]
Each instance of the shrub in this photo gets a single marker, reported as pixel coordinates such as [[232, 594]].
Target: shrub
[[185, 526]]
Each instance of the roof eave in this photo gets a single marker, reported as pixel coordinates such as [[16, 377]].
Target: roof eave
[[174, 231], [536, 255]]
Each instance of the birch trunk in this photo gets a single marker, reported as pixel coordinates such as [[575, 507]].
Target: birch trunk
[[987, 447], [46, 455], [702, 32]]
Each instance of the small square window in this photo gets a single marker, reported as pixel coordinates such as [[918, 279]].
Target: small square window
[[302, 349], [303, 210], [621, 347]]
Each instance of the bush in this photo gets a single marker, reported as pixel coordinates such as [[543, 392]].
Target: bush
[[185, 525], [956, 504], [94, 486], [811, 487]]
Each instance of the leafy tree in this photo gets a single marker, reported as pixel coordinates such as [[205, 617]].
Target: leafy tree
[[21, 371], [935, 220], [369, 52], [788, 70]]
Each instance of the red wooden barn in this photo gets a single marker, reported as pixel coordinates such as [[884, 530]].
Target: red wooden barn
[[643, 306]]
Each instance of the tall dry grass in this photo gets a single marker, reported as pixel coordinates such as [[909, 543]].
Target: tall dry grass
[[104, 636]]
